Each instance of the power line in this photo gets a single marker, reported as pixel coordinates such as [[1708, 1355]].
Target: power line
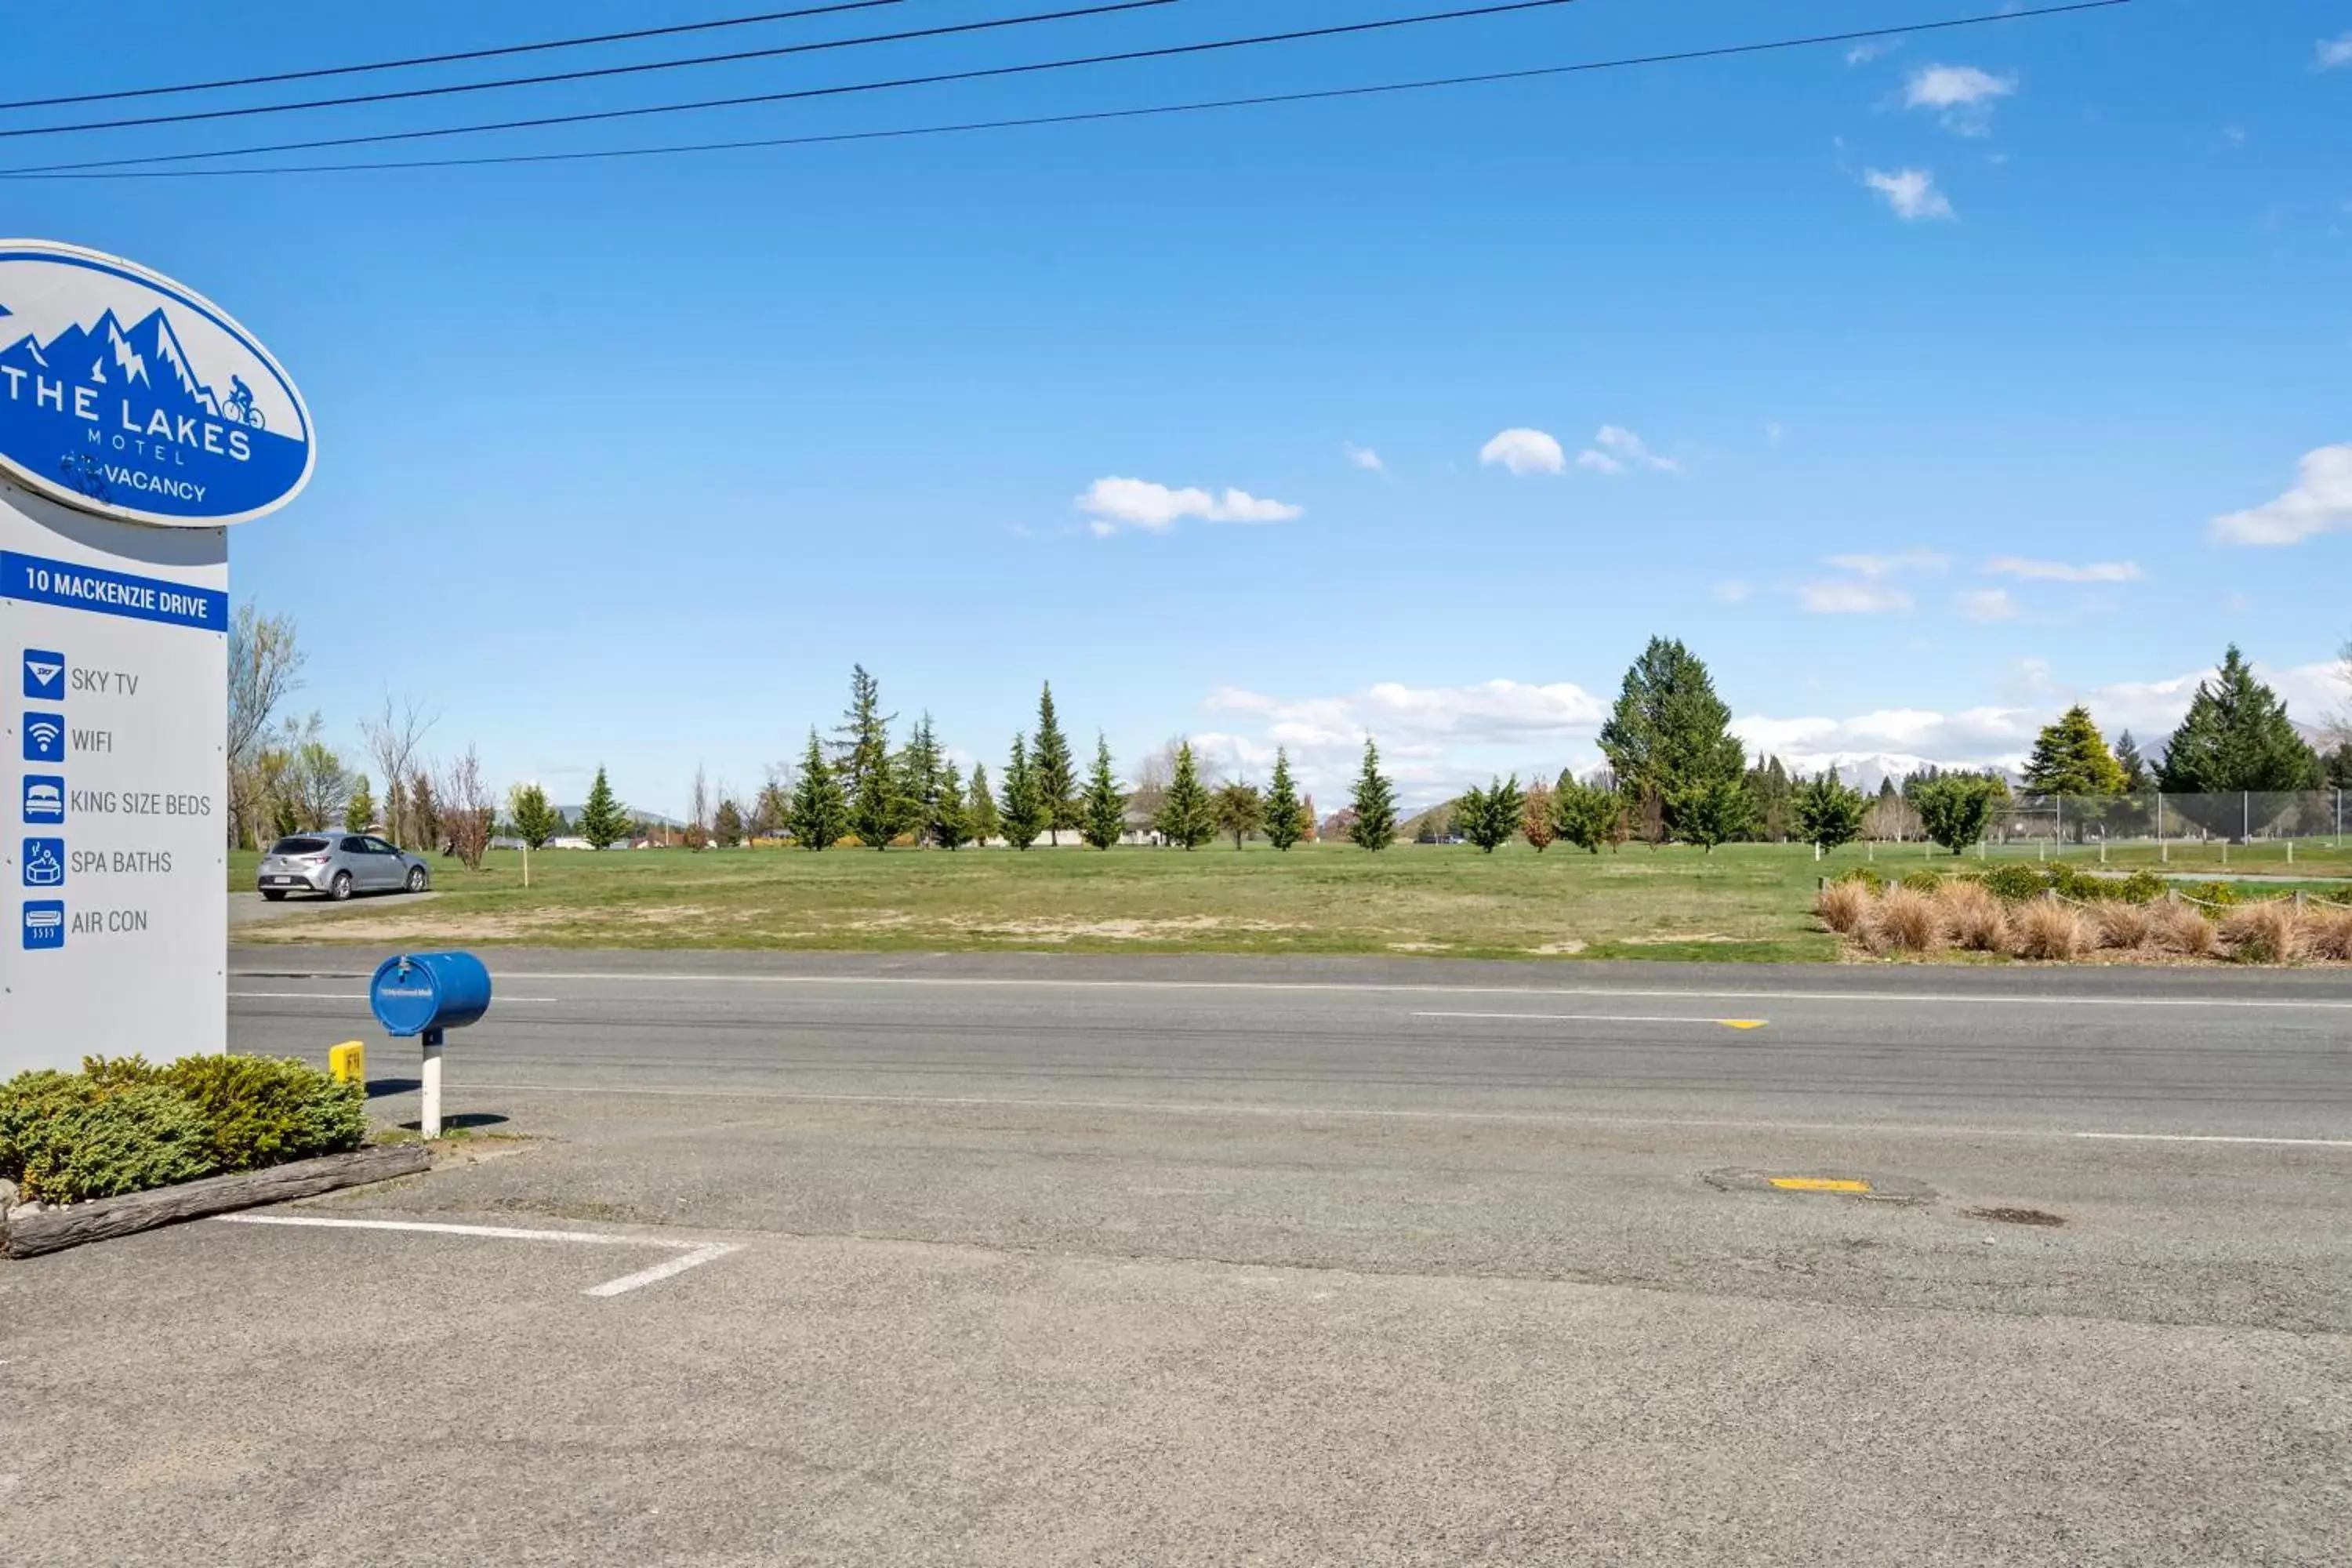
[[1724, 52], [983, 73], [590, 73], [317, 72]]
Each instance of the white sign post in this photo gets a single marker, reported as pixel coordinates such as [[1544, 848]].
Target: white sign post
[[136, 421]]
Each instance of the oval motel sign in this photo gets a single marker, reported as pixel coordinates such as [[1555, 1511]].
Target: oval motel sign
[[125, 395]]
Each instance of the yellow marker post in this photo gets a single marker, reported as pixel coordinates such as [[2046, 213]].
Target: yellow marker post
[[348, 1062], [1819, 1184]]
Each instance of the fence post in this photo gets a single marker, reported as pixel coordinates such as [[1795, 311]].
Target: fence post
[[2163, 850]]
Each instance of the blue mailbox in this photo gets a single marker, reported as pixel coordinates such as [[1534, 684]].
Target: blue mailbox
[[426, 993]]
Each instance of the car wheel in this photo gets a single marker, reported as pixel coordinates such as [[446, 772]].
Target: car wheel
[[274, 895], [340, 887], [416, 878]]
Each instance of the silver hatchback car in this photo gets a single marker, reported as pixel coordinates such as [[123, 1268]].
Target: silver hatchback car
[[339, 865]]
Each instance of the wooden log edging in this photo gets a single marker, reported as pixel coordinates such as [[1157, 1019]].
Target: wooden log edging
[[54, 1230]]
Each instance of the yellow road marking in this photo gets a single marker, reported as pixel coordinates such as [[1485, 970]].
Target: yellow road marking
[[1818, 1184], [1742, 1023]]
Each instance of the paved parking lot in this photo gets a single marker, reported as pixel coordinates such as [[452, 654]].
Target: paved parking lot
[[1048, 1263]]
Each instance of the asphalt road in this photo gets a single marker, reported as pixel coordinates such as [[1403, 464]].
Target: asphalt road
[[1069, 1261]]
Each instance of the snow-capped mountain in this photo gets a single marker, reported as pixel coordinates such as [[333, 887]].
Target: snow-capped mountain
[[147, 357]]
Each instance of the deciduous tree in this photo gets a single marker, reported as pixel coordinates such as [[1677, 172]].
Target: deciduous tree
[[1488, 817], [1587, 816], [1241, 810], [265, 665], [1827, 814]]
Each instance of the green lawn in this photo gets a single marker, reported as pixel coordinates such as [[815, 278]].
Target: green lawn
[[1744, 901]]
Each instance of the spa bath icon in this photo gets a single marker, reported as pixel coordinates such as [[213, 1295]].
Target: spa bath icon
[[123, 393], [45, 862]]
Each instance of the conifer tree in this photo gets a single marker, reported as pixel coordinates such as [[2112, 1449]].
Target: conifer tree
[[819, 815], [1102, 809], [1669, 737], [535, 822], [1055, 772], [1375, 804], [1956, 809], [603, 821], [771, 810], [1825, 813], [980, 807], [862, 747], [1021, 811], [2236, 740], [1488, 817], [726, 824], [1586, 816], [1285, 815], [360, 815], [951, 826], [1187, 817], [2133, 765], [2071, 757], [919, 777]]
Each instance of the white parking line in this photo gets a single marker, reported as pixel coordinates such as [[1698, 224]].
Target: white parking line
[[2218, 1137], [695, 1253]]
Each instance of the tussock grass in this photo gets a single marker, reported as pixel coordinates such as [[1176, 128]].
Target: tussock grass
[[2267, 932], [2049, 931], [1906, 919], [1974, 917], [2126, 927], [1843, 906]]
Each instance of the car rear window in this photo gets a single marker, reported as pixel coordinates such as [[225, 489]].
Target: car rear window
[[298, 847]]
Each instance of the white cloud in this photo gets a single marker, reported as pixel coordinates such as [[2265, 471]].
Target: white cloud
[[1863, 54], [1988, 604], [1616, 448], [1525, 452], [1843, 598], [1116, 503], [2335, 52], [1732, 591], [1433, 739], [2321, 503], [1912, 193], [1962, 96], [2062, 570], [1891, 564], [1364, 458]]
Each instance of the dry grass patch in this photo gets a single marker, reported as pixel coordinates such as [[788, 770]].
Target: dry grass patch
[[1843, 906], [2184, 929], [2264, 933], [1974, 917], [2329, 933], [2049, 931], [2126, 927], [1906, 919]]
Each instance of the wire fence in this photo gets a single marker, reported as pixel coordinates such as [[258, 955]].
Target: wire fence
[[2260, 823]]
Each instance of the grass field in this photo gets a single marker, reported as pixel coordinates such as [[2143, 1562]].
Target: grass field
[[1744, 901]]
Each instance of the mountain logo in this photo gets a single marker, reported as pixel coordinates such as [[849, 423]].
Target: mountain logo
[[123, 394]]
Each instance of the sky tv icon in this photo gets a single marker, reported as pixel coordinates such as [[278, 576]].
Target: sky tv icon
[[44, 924]]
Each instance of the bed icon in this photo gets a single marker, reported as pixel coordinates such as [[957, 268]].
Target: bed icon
[[44, 797]]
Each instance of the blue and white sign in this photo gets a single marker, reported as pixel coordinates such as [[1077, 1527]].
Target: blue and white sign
[[45, 737], [125, 395], [45, 862], [45, 923], [45, 675], [45, 798]]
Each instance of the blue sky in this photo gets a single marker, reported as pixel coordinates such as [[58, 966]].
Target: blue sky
[[1919, 389]]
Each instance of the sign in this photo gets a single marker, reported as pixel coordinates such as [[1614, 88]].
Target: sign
[[136, 421], [125, 395]]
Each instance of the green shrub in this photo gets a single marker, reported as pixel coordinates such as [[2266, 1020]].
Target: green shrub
[[2069, 880], [2142, 886], [64, 1139], [1922, 882], [2225, 894], [1867, 876], [2016, 883], [259, 1111]]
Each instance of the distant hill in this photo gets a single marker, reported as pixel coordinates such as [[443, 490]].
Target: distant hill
[[572, 814]]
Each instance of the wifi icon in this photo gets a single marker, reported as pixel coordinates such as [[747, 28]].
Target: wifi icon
[[44, 738]]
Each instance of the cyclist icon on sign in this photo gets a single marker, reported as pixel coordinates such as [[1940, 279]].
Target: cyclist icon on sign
[[239, 407]]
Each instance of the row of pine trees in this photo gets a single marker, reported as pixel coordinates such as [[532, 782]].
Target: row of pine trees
[[1674, 772]]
